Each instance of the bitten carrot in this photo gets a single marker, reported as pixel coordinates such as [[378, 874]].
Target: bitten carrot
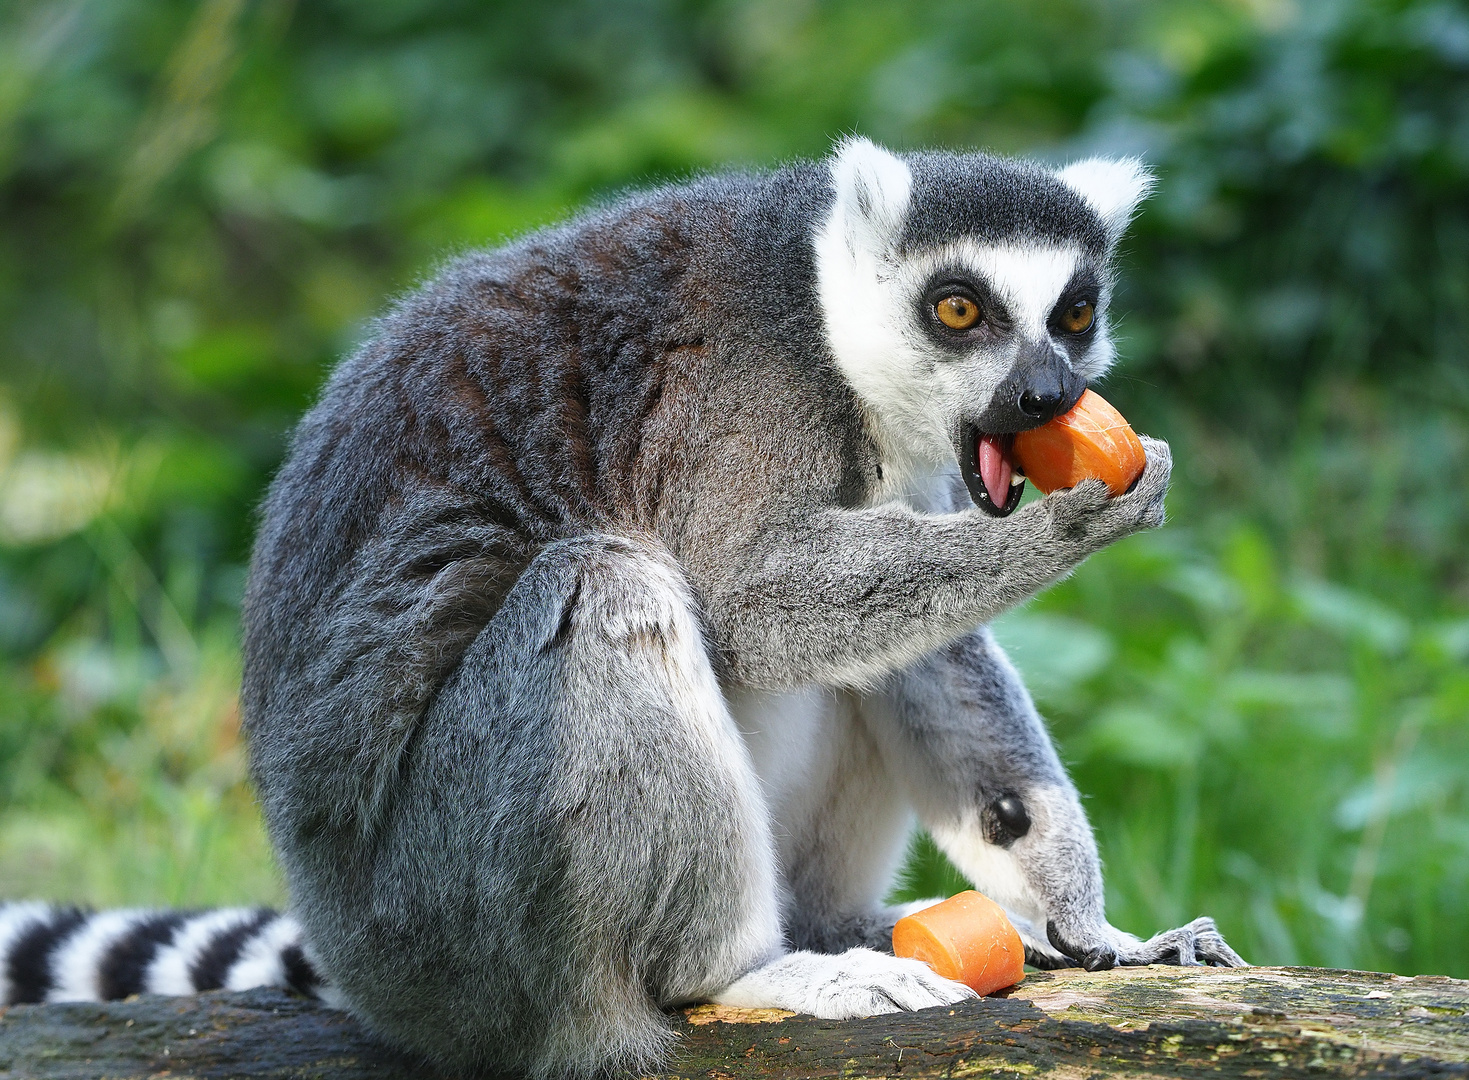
[[1092, 440], [966, 938]]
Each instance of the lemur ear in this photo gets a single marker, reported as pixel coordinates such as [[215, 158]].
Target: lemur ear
[[872, 191], [1111, 187]]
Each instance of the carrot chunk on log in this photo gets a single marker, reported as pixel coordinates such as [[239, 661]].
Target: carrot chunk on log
[[966, 938]]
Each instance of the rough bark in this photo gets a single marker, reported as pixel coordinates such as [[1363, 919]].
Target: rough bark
[[1158, 1021]]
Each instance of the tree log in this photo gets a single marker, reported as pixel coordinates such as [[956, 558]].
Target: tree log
[[1156, 1021]]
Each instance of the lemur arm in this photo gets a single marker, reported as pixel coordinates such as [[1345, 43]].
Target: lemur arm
[[844, 596], [960, 731]]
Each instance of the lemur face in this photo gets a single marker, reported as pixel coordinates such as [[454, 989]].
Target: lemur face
[[965, 298]]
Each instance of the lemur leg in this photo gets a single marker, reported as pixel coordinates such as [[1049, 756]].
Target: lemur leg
[[841, 822], [959, 729], [577, 839]]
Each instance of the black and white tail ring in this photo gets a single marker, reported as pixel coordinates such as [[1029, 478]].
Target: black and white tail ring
[[50, 953]]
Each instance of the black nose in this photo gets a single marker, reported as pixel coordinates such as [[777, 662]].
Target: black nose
[[1041, 404], [1040, 387], [1042, 390]]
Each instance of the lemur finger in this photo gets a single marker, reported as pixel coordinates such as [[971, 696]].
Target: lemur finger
[[1210, 945], [1159, 457], [921, 989], [1196, 944], [1157, 451], [1223, 956], [1188, 952], [1096, 955], [1047, 960], [1158, 469], [1152, 487], [1214, 950], [1178, 948], [1072, 509]]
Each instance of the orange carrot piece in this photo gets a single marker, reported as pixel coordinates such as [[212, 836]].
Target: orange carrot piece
[[966, 938], [1092, 440]]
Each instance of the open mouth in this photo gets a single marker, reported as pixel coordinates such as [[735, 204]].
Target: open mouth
[[988, 464]]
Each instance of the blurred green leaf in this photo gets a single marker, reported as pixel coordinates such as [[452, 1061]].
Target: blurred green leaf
[[1138, 735], [1052, 652], [1353, 615]]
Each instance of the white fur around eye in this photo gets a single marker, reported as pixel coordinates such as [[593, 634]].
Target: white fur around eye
[[1028, 279], [866, 304]]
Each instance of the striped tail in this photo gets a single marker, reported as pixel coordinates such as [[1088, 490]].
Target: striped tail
[[50, 953]]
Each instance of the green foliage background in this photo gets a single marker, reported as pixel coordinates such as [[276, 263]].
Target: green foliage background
[[202, 204]]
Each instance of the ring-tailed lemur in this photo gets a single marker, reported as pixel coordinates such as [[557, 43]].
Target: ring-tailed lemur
[[620, 606]]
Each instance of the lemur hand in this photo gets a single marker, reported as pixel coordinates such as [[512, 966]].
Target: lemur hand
[[1090, 515], [1098, 946]]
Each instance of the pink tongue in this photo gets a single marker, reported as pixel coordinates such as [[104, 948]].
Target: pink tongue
[[994, 470]]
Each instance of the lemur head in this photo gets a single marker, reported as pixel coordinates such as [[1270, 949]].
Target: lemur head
[[965, 297]]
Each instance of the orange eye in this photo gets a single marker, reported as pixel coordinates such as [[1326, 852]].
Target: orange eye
[[1078, 318], [957, 312]]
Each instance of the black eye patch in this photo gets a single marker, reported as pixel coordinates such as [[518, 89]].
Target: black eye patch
[[948, 292], [1073, 320], [1085, 287]]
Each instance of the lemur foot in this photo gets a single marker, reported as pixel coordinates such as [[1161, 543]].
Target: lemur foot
[[858, 982], [1198, 943]]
